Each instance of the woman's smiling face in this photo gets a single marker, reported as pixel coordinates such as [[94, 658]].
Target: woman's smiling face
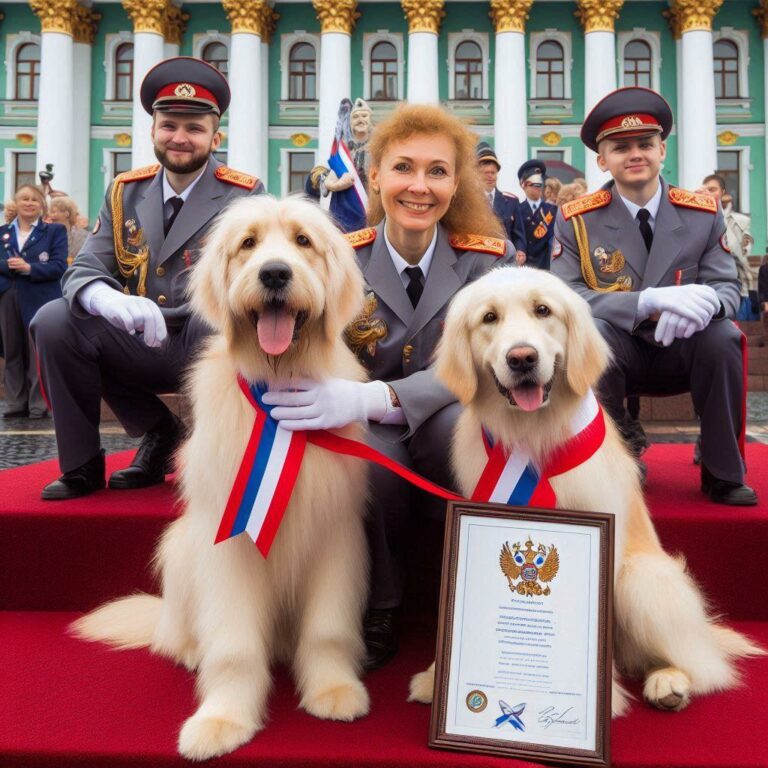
[[416, 180]]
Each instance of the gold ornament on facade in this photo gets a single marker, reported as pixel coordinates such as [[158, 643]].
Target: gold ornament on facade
[[336, 15], [552, 138], [598, 15], [761, 14], [674, 22], [147, 15], [25, 138], [123, 139], [269, 19], [423, 15], [55, 15], [727, 138], [245, 15], [510, 15], [85, 25], [696, 14], [175, 25], [300, 139]]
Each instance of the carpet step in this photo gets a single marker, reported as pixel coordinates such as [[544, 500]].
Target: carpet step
[[70, 703], [74, 555]]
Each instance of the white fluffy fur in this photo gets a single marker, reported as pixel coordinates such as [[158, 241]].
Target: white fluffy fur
[[225, 611], [664, 632]]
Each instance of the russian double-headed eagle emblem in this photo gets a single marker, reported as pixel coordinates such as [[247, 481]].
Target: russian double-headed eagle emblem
[[530, 566]]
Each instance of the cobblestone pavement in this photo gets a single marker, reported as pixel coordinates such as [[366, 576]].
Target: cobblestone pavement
[[25, 441]]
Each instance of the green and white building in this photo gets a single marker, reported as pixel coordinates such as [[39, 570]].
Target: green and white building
[[522, 72]]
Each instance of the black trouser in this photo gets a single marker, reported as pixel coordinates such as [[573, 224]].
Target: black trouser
[[83, 360]]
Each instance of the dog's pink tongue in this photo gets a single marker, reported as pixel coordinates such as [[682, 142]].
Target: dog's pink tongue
[[275, 330], [528, 398]]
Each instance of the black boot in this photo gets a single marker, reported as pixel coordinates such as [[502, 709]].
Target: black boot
[[380, 637], [726, 492], [153, 460], [77, 482]]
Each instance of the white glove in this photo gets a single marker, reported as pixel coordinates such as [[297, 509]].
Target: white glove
[[128, 313], [329, 404], [672, 326], [694, 302]]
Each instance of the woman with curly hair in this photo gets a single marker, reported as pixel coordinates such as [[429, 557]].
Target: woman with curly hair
[[433, 232]]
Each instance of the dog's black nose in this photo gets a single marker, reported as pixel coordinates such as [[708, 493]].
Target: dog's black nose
[[275, 275], [522, 359]]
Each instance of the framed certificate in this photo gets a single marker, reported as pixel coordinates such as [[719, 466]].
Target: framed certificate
[[524, 647]]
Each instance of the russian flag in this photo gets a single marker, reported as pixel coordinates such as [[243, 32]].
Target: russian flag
[[348, 206]]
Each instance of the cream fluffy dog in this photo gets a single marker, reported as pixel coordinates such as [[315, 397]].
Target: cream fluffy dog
[[279, 284], [521, 352]]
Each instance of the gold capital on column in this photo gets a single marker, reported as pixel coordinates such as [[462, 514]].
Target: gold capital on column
[[245, 15], [175, 24], [510, 15], [269, 19], [598, 15], [147, 15], [423, 15], [674, 22], [85, 25], [336, 15], [761, 14], [55, 15], [695, 14]]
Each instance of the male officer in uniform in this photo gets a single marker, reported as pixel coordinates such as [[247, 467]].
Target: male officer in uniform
[[505, 205], [123, 329], [652, 262], [538, 214]]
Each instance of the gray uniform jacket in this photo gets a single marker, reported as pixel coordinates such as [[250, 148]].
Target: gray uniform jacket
[[396, 342], [171, 257], [688, 247]]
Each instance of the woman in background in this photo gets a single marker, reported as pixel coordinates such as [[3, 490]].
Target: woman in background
[[63, 210]]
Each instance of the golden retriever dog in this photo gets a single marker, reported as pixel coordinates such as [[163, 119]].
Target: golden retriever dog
[[521, 353], [278, 283]]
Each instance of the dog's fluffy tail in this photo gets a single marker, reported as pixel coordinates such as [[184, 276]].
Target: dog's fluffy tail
[[128, 622]]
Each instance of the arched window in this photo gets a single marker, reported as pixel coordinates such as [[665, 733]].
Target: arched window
[[550, 71], [28, 72], [637, 64], [217, 55], [124, 72], [726, 70], [384, 72], [302, 65], [468, 72]]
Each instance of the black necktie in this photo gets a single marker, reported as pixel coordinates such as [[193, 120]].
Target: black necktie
[[415, 285], [175, 204], [645, 228]]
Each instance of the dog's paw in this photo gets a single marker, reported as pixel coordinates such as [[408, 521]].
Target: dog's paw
[[203, 737], [668, 689], [423, 685], [343, 702]]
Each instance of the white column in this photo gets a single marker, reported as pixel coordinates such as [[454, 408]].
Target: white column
[[599, 80], [55, 107], [679, 117], [245, 145], [148, 50], [765, 102], [335, 82], [510, 107], [264, 129], [170, 50], [423, 66], [81, 141], [697, 108]]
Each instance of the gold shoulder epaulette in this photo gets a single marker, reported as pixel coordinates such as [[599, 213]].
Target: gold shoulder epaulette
[[137, 174], [238, 179], [361, 237], [699, 201], [479, 243], [587, 203]]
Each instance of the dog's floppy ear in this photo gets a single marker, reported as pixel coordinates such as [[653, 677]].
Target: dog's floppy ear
[[454, 364], [587, 353], [344, 300]]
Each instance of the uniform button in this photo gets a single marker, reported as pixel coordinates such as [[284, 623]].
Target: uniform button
[[407, 351], [160, 271], [161, 300]]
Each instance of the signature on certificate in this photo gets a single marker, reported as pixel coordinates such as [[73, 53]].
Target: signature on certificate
[[549, 716]]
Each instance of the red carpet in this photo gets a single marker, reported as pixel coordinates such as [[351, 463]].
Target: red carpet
[[68, 703]]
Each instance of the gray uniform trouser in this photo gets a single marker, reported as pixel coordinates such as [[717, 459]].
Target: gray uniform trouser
[[83, 360], [709, 365], [394, 500], [22, 383]]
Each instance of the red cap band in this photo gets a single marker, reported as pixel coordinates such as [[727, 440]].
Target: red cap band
[[186, 92], [636, 124]]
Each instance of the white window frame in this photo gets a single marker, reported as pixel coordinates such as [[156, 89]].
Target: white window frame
[[564, 39], [201, 39], [286, 43], [740, 38], [285, 165], [455, 39], [653, 40], [9, 162], [111, 43], [107, 162], [370, 40], [745, 169], [12, 45]]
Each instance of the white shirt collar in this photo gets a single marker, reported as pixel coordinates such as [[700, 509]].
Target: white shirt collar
[[401, 264], [21, 239], [533, 203], [169, 192], [652, 206]]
